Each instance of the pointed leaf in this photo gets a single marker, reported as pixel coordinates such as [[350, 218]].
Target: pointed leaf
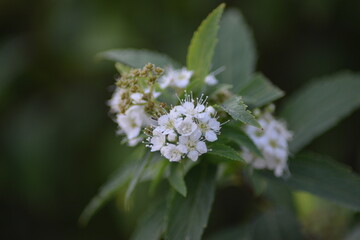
[[152, 224], [106, 192], [122, 68], [158, 176], [238, 232], [137, 58], [235, 50], [202, 46], [189, 216], [176, 178], [276, 224], [325, 178], [224, 151], [237, 135], [321, 105], [260, 91], [136, 176], [236, 108]]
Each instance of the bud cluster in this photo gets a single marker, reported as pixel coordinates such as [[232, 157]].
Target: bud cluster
[[134, 100]]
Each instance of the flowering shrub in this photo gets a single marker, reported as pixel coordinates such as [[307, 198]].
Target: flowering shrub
[[194, 130]]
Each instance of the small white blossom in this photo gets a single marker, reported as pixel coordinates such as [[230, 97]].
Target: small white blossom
[[167, 122], [272, 141], [116, 100], [137, 98], [209, 127], [172, 152], [185, 127], [175, 78], [194, 146], [211, 80], [133, 120], [185, 130], [157, 141]]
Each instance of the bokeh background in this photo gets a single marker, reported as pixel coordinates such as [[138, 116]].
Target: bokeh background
[[57, 143]]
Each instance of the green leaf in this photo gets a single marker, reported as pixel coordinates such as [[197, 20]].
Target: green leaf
[[325, 178], [260, 91], [202, 46], [321, 105], [116, 182], [137, 58], [158, 176], [152, 224], [224, 151], [106, 192], [137, 176], [237, 135], [354, 233], [258, 183], [235, 50], [189, 216], [236, 108], [276, 224], [122, 68], [238, 232], [176, 178]]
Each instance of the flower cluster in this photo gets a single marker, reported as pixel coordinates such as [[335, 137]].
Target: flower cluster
[[175, 78], [133, 101], [180, 78], [272, 141], [184, 130]]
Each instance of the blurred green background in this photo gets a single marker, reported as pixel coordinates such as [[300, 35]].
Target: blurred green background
[[58, 144]]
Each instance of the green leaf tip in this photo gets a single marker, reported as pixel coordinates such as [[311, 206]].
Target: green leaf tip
[[202, 47], [260, 91], [235, 50], [137, 58], [225, 151], [176, 178], [320, 105], [236, 108]]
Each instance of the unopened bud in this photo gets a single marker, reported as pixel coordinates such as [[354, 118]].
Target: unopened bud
[[149, 66], [159, 70]]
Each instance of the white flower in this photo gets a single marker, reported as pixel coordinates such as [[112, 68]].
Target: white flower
[[137, 98], [185, 127], [167, 122], [211, 80], [272, 141], [182, 78], [194, 147], [157, 141], [131, 122], [175, 78], [116, 100], [209, 127], [172, 152]]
